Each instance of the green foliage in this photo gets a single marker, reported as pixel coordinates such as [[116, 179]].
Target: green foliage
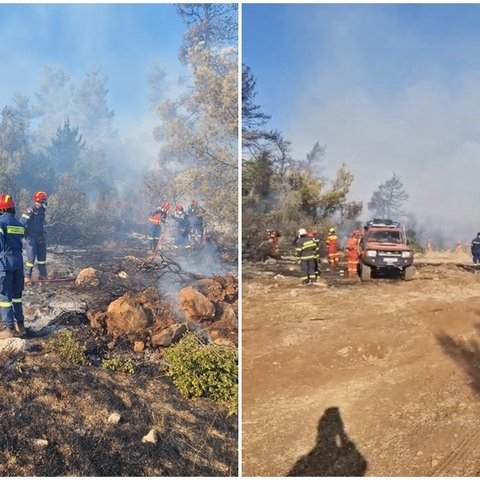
[[65, 148], [198, 130], [118, 363], [67, 211], [200, 370], [69, 349]]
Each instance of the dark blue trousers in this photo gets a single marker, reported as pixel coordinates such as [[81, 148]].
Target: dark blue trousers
[[36, 249], [11, 288]]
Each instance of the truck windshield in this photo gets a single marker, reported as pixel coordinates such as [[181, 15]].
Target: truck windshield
[[385, 237]]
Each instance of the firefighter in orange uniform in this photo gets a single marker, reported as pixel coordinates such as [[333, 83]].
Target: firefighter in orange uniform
[[458, 248], [154, 226], [332, 247], [274, 240], [351, 252]]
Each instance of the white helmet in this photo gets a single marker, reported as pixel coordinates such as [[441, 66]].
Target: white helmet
[[301, 232]]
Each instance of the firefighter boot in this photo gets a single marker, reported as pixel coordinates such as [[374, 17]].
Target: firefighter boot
[[7, 332], [20, 328]]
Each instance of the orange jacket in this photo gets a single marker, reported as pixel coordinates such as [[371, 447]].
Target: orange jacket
[[332, 244], [351, 248]]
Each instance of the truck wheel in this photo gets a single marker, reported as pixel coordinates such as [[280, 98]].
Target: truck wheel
[[365, 273], [408, 273]]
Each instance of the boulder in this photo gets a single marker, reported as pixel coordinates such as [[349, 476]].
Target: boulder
[[88, 277], [204, 284], [138, 346], [195, 306], [229, 314], [125, 315], [168, 336]]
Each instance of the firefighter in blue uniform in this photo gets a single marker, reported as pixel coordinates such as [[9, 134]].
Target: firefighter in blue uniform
[[195, 215], [183, 225], [33, 219], [11, 270], [475, 246], [154, 227]]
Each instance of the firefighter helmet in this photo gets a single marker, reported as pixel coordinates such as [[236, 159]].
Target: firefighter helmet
[[194, 202], [165, 206], [178, 207], [40, 197], [331, 230], [6, 202], [301, 232]]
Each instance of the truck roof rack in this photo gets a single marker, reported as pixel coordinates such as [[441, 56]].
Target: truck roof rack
[[380, 222]]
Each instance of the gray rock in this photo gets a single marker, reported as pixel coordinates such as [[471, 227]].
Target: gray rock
[[40, 442], [150, 437], [114, 418], [169, 336]]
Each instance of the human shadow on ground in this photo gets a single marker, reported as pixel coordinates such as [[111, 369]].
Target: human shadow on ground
[[466, 354], [334, 454]]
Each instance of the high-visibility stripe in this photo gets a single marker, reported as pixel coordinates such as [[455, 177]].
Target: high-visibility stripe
[[16, 300], [310, 257], [5, 304], [305, 278], [26, 216], [41, 262], [1, 231], [15, 230], [29, 264], [308, 244]]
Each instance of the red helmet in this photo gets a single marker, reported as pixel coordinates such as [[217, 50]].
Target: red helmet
[[165, 206], [40, 197], [178, 207], [6, 202], [194, 202]]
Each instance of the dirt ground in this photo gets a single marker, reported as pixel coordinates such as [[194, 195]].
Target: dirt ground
[[349, 378]]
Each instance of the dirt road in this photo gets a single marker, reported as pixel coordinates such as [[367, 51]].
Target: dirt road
[[345, 378]]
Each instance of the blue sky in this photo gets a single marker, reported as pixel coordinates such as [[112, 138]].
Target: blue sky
[[388, 88], [123, 40]]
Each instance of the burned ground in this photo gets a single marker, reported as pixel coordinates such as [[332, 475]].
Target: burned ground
[[350, 378], [42, 397]]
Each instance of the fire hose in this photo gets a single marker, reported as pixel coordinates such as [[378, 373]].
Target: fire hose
[[53, 280]]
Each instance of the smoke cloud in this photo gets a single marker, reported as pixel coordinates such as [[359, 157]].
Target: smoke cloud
[[389, 89]]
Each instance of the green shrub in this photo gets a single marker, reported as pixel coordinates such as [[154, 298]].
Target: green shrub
[[200, 370], [119, 364], [68, 348]]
